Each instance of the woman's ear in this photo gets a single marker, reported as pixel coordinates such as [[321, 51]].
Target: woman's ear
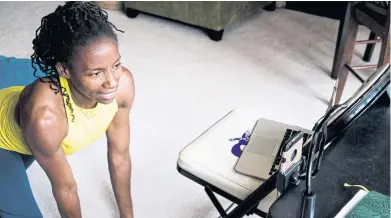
[[62, 70]]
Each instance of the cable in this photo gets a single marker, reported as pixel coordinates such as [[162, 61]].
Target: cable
[[307, 200], [359, 186], [318, 142]]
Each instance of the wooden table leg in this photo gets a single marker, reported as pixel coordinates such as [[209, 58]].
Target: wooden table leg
[[370, 47], [384, 57], [344, 31], [336, 61], [344, 51]]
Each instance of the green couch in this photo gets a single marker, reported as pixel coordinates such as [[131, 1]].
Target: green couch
[[212, 17]]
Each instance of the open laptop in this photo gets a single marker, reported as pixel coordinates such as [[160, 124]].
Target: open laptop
[[267, 136], [258, 157]]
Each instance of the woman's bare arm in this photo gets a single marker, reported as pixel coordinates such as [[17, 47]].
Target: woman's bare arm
[[118, 139], [44, 130]]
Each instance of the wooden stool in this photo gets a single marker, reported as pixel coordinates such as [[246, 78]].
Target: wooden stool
[[374, 16]]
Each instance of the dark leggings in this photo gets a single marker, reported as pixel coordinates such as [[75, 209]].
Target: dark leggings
[[16, 197]]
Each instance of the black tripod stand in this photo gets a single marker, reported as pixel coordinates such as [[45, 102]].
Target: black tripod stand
[[312, 164]]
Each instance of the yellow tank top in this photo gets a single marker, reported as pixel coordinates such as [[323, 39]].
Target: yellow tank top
[[88, 124]]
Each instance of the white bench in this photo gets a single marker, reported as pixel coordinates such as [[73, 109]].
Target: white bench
[[209, 159]]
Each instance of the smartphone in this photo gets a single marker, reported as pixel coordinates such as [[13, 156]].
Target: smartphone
[[291, 152]]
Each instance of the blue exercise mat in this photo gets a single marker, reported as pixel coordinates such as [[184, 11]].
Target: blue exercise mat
[[17, 72]]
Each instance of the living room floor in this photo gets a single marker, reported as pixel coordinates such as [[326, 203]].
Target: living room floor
[[275, 62]]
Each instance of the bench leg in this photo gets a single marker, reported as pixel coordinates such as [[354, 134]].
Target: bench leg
[[215, 202], [219, 207], [226, 210]]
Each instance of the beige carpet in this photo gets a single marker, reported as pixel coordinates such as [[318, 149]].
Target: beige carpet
[[277, 62]]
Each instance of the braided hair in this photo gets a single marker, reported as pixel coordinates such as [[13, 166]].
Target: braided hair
[[62, 33]]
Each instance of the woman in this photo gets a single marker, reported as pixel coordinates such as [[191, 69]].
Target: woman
[[86, 93]]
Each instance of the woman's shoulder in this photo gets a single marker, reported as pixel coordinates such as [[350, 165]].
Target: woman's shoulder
[[41, 99], [42, 111], [42, 92], [126, 89]]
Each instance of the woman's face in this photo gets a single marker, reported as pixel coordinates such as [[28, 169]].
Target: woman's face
[[96, 70]]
